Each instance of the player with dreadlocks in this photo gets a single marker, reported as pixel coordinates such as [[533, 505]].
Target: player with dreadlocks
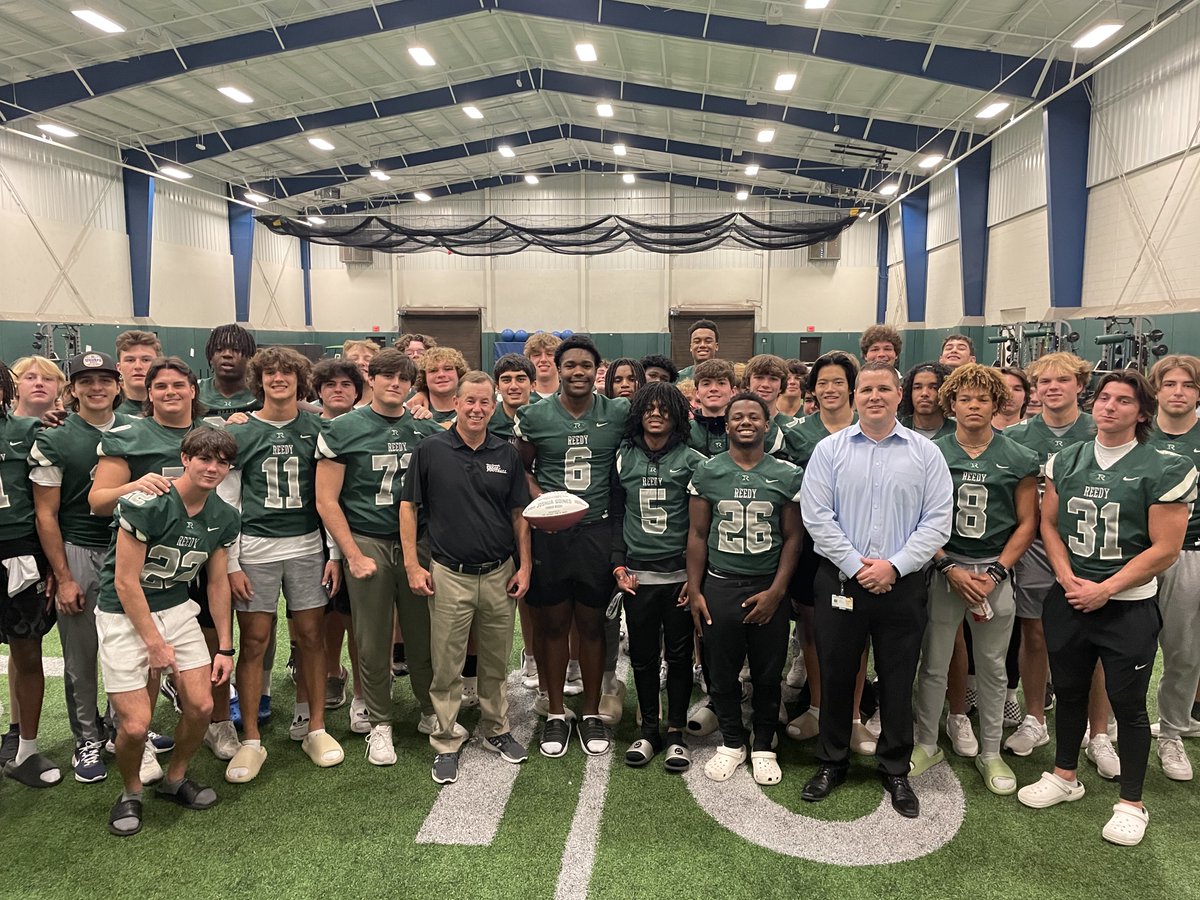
[[228, 350], [649, 492], [26, 604]]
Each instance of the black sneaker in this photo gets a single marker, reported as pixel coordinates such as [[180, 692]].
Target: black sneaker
[[399, 661], [8, 746], [507, 746], [1196, 710], [167, 689], [89, 767], [445, 768], [555, 732], [593, 730], [1049, 704], [291, 662]]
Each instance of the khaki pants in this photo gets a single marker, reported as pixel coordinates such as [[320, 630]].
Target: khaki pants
[[460, 603], [372, 601]]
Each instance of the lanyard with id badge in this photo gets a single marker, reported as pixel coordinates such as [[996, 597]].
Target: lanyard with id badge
[[842, 601]]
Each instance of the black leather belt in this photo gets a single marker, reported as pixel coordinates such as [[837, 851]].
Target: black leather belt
[[470, 568]]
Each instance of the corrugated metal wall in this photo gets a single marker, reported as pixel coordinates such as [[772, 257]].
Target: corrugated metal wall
[[280, 249], [1146, 104], [189, 217], [943, 212], [1018, 182], [50, 182]]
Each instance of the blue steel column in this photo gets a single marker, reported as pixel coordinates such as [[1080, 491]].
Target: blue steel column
[[1067, 125], [914, 229], [139, 225], [306, 270], [971, 177], [881, 260], [241, 245]]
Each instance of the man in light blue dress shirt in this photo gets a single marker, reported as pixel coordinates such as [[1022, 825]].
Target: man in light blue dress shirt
[[877, 502]]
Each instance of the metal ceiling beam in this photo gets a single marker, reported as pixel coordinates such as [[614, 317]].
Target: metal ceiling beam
[[976, 69], [393, 198], [287, 186]]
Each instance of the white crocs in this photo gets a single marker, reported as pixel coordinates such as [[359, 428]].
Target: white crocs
[[1127, 826], [766, 767], [1049, 790], [724, 763]]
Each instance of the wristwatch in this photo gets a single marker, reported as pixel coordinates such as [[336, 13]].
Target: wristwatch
[[228, 652], [945, 564], [998, 573]]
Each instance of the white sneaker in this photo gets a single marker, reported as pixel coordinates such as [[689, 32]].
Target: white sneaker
[[221, 738], [360, 719], [298, 730], [541, 705], [797, 675], [962, 736], [151, 770], [380, 751], [1174, 759], [1030, 735], [698, 677], [1100, 751], [574, 682], [470, 693], [429, 724], [529, 675]]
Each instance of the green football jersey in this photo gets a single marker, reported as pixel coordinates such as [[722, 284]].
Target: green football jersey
[[1103, 514], [71, 447], [575, 455], [177, 545], [445, 419], [132, 408], [1186, 445], [501, 425], [707, 441], [220, 405], [949, 426], [985, 509], [656, 500], [803, 435], [746, 535], [375, 450], [146, 446], [686, 372], [17, 434], [278, 467], [1035, 434]]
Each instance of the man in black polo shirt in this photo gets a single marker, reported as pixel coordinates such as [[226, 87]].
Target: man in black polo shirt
[[469, 475]]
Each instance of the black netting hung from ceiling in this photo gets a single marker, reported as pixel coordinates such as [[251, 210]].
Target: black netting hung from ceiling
[[495, 236]]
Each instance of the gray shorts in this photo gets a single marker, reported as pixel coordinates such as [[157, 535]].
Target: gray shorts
[[299, 578], [1032, 580]]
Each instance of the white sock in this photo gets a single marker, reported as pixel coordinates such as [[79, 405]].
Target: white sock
[[598, 745], [554, 746], [1064, 781], [930, 749], [25, 749], [1010, 695], [816, 711], [315, 733], [302, 711], [250, 743]]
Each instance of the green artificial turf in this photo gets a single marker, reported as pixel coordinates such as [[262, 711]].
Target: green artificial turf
[[350, 831]]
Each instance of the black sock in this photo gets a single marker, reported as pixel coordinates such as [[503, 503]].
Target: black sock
[[675, 737], [469, 667], [14, 728], [398, 652], [1196, 710]]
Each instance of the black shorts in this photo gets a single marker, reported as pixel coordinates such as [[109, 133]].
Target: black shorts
[[30, 614], [572, 565], [198, 591], [340, 602]]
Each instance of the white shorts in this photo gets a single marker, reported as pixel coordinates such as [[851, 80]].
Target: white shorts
[[124, 661]]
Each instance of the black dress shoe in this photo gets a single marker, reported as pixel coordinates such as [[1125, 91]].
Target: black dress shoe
[[904, 800], [822, 784]]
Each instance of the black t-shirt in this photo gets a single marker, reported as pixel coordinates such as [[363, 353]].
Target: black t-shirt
[[467, 496]]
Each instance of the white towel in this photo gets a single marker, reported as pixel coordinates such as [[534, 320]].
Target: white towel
[[22, 572]]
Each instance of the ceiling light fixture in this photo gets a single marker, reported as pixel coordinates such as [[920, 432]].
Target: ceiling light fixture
[[56, 130], [785, 81], [175, 172], [888, 189], [380, 175], [93, 18], [815, 4], [255, 197], [505, 151], [472, 112], [421, 56], [930, 161], [743, 194], [766, 135], [604, 110], [1098, 34], [618, 149], [752, 170], [531, 179], [320, 143], [629, 178], [586, 52], [314, 220], [237, 95], [422, 196], [992, 110]]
